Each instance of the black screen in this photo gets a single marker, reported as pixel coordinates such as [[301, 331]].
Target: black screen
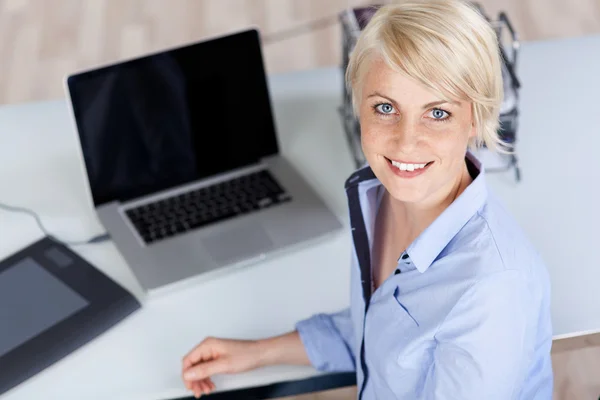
[[169, 118]]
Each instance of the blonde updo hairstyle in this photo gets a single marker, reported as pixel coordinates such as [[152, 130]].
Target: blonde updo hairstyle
[[446, 45]]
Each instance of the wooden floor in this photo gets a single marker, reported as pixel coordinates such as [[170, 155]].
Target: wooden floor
[[42, 40]]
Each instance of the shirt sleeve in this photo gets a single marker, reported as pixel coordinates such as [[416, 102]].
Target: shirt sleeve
[[328, 341], [485, 345]]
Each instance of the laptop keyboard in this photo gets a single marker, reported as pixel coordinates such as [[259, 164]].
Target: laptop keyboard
[[190, 210]]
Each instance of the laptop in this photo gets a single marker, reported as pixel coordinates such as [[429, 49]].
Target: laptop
[[182, 159]]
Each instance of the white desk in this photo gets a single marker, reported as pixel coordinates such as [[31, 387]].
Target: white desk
[[140, 358]]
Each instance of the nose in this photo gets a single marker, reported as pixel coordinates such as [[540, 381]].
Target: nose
[[405, 136]]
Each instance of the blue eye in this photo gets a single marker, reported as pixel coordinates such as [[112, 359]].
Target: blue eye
[[384, 108], [439, 114]]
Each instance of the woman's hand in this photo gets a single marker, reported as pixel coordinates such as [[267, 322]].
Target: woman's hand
[[218, 356], [225, 356]]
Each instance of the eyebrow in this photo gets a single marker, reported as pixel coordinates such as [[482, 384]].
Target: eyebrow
[[428, 105]]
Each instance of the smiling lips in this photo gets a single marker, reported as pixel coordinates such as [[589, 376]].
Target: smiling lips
[[408, 169]]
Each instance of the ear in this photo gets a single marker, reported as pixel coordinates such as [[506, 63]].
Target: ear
[[473, 131]]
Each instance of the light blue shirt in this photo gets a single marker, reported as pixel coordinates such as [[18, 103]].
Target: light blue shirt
[[465, 316]]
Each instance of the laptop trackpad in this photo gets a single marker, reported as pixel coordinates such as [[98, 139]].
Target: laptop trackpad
[[237, 244]]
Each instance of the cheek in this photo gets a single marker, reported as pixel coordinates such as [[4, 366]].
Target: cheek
[[452, 144], [376, 129], [371, 135]]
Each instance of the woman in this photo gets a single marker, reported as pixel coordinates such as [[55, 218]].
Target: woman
[[448, 298]]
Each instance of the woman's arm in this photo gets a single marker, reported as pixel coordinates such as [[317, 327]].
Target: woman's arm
[[284, 349], [328, 340], [321, 341]]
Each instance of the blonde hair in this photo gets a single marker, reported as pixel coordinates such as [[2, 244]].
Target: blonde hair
[[446, 45]]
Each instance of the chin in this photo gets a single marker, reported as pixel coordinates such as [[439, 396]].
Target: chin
[[406, 194]]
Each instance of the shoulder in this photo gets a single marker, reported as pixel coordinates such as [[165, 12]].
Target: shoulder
[[492, 250], [496, 270], [492, 231]]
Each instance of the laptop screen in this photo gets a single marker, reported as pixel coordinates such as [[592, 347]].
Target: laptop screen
[[170, 118]]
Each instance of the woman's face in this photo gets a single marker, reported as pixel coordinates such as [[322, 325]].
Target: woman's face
[[414, 142]]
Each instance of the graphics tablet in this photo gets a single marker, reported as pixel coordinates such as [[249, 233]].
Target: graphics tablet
[[52, 302]]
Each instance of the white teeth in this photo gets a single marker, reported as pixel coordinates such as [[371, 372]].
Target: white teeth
[[407, 167]]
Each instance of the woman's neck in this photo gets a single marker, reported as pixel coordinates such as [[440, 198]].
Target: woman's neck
[[416, 217]]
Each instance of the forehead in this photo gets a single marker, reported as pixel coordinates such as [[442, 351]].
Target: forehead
[[380, 77]]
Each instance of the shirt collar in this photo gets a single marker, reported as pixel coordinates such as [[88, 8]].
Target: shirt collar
[[429, 244]]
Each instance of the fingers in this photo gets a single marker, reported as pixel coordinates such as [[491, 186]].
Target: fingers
[[196, 389], [207, 369], [200, 388], [201, 363], [204, 351], [204, 386]]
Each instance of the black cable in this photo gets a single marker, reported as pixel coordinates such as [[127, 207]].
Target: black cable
[[96, 239]]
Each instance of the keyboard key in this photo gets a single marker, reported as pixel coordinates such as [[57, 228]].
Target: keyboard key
[[190, 210], [265, 202]]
